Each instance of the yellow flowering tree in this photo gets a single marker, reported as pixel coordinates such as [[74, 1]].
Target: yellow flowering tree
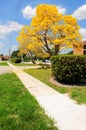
[[29, 44], [49, 30]]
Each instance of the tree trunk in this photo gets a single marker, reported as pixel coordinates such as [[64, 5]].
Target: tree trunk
[[22, 59], [56, 49], [47, 47], [31, 58]]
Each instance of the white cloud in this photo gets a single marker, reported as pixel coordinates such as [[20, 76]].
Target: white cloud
[[2, 36], [14, 26], [1, 44], [14, 47], [61, 9], [9, 27], [83, 33], [29, 12], [80, 13]]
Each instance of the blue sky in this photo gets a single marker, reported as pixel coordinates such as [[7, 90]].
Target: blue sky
[[16, 13]]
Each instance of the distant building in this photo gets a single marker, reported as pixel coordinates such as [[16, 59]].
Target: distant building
[[0, 58], [81, 50], [6, 57]]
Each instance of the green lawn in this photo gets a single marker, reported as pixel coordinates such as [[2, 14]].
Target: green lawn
[[3, 63], [18, 108], [76, 93]]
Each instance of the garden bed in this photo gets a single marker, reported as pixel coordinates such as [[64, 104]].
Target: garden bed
[[77, 93], [60, 84]]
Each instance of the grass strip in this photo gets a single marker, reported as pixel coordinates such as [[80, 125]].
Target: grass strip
[[3, 63], [76, 93]]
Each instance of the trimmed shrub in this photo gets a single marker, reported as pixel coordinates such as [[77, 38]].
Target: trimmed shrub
[[69, 68], [16, 60]]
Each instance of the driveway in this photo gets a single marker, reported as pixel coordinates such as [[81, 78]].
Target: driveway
[[5, 69], [28, 67]]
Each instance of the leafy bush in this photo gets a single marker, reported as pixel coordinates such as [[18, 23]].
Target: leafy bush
[[16, 60], [26, 59], [69, 68]]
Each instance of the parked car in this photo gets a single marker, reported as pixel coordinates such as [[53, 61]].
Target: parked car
[[46, 61]]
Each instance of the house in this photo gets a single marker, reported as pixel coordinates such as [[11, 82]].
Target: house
[[0, 58], [6, 57], [81, 50]]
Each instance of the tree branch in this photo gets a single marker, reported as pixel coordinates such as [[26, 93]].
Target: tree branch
[[46, 44]]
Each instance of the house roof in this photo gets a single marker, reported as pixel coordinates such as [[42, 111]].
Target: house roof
[[84, 42], [5, 57]]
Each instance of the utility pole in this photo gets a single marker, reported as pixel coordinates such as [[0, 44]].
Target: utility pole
[[9, 54], [22, 59]]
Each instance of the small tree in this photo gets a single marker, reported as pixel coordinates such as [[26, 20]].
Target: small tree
[[15, 54]]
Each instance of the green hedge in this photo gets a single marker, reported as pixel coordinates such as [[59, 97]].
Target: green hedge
[[69, 68], [16, 60]]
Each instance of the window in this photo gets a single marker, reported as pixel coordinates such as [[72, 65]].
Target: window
[[84, 46], [84, 51]]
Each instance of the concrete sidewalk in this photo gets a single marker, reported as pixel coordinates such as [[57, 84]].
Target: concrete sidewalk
[[5, 69], [66, 113], [28, 67]]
